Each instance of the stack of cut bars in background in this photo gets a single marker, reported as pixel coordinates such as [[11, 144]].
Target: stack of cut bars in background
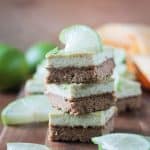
[[81, 91]]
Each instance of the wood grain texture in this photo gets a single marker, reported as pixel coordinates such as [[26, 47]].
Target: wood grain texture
[[134, 122], [30, 133], [24, 22]]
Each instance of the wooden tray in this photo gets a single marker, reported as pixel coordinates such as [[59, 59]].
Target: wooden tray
[[137, 122]]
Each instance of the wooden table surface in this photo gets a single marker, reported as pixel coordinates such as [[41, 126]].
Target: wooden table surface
[[23, 22], [135, 122]]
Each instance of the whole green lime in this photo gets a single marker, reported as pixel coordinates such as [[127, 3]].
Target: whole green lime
[[36, 54], [13, 67]]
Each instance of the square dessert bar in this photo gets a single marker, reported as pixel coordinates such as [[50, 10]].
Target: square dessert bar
[[65, 127], [34, 86], [84, 67], [129, 103], [81, 98], [128, 95]]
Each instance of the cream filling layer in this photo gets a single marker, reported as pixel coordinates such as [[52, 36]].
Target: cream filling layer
[[99, 118], [80, 90], [66, 59], [128, 88]]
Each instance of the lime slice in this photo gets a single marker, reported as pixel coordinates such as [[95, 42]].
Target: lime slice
[[122, 141], [29, 109], [26, 146], [80, 38]]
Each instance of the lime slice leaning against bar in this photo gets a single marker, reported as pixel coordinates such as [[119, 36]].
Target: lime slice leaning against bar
[[29, 109], [80, 37], [121, 141], [26, 146]]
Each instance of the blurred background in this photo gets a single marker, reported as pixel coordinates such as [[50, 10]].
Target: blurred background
[[24, 22]]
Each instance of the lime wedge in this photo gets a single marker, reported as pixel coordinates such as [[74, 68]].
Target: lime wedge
[[26, 146], [29, 109], [122, 141], [80, 38]]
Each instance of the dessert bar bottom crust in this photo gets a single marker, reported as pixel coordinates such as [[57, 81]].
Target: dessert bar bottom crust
[[82, 105], [129, 103], [81, 75], [78, 133]]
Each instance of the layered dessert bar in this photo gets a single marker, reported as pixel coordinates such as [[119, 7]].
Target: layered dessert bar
[[127, 91], [79, 67], [121, 68], [81, 98], [80, 87], [65, 127], [36, 84], [128, 95]]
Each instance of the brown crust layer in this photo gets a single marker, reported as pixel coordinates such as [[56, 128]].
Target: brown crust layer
[[129, 103], [64, 133], [83, 105], [81, 75]]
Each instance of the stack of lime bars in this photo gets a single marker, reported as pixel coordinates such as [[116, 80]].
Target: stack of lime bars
[[83, 81], [80, 87]]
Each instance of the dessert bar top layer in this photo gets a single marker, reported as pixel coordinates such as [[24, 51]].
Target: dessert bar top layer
[[128, 88], [99, 118], [80, 90], [63, 59], [41, 71], [34, 86]]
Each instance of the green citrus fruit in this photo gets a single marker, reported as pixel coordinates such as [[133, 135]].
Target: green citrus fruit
[[13, 67], [36, 54]]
